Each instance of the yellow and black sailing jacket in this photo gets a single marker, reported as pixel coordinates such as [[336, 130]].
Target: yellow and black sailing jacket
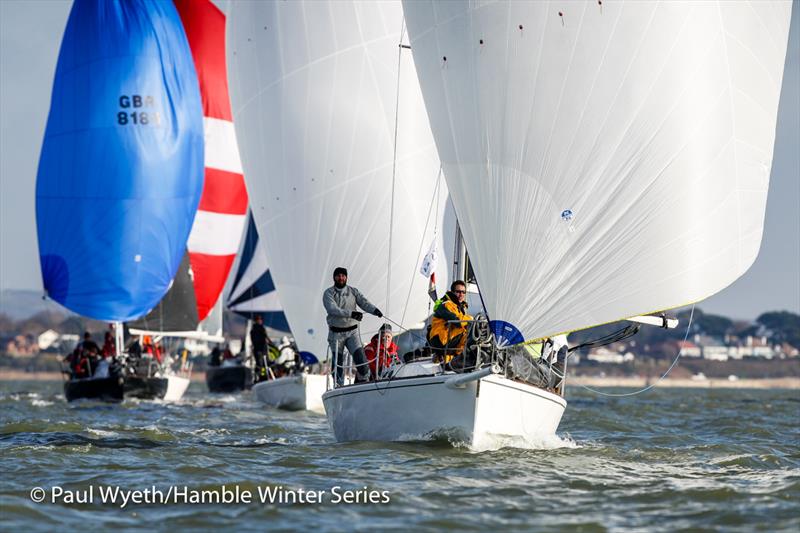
[[444, 310]]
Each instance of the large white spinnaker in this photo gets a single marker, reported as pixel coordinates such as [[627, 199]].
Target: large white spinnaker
[[605, 159], [314, 91]]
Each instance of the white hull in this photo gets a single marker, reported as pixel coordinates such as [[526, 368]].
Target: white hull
[[490, 409], [176, 387], [294, 393]]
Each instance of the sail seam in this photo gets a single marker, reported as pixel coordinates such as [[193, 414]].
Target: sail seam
[[733, 125]]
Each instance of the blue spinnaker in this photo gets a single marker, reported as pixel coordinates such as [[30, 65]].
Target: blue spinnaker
[[121, 168]]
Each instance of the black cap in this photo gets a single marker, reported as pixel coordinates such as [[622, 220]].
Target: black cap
[[386, 327], [339, 270]]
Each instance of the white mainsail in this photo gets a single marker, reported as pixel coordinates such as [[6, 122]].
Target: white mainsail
[[314, 91], [605, 159]]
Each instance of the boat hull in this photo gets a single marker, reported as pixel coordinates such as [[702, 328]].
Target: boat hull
[[169, 388], [176, 388], [145, 388], [229, 378], [489, 409], [110, 389], [293, 393]]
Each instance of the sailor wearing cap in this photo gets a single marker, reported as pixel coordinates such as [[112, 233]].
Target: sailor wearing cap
[[340, 302]]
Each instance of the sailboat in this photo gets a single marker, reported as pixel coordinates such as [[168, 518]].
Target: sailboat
[[218, 224], [252, 293], [152, 376], [315, 93], [121, 168], [606, 161]]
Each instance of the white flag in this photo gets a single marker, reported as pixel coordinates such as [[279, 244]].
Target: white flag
[[429, 261]]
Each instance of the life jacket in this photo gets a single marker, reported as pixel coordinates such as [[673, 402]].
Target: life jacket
[[387, 354], [440, 326], [273, 352]]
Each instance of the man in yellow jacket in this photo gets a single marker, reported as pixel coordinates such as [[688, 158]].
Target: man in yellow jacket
[[447, 336]]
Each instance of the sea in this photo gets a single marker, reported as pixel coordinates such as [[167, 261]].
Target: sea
[[664, 460]]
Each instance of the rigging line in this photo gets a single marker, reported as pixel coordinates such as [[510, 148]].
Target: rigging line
[[480, 294], [417, 335], [664, 375], [394, 162], [435, 231], [434, 202]]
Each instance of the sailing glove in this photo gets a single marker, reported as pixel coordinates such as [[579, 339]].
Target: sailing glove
[[378, 313], [356, 315]]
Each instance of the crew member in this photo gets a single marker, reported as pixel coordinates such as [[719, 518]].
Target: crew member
[[340, 302], [448, 333], [381, 352]]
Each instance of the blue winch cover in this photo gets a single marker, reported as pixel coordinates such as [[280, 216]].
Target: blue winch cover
[[121, 168]]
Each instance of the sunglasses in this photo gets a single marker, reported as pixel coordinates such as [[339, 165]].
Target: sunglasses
[[460, 292]]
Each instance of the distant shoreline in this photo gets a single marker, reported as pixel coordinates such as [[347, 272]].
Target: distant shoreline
[[710, 383], [626, 382]]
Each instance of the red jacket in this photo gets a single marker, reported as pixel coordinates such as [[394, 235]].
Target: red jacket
[[109, 348], [387, 354]]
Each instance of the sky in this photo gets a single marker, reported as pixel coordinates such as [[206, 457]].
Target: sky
[[30, 36]]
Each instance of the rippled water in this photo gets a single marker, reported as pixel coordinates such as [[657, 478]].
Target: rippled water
[[664, 460]]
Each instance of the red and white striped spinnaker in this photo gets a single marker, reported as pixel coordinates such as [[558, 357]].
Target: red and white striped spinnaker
[[220, 218]]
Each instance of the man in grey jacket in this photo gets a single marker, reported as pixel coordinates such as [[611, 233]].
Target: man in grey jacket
[[340, 302]]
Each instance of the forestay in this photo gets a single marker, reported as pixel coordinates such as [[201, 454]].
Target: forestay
[[314, 90], [605, 159], [121, 168]]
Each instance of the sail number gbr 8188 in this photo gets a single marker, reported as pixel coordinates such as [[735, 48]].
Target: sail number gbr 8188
[[137, 101]]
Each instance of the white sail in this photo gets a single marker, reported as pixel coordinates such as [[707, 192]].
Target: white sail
[[605, 159], [314, 90]]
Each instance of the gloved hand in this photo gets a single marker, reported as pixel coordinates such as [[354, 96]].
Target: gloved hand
[[378, 313], [356, 315]]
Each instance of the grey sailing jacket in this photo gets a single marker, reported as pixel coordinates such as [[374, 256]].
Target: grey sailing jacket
[[339, 303]]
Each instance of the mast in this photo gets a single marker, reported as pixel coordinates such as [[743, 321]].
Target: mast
[[119, 337], [459, 254]]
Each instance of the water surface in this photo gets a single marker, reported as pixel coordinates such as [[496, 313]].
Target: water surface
[[669, 459]]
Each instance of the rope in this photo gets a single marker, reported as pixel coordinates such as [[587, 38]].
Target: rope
[[434, 202], [418, 336], [675, 362], [435, 235], [394, 163]]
